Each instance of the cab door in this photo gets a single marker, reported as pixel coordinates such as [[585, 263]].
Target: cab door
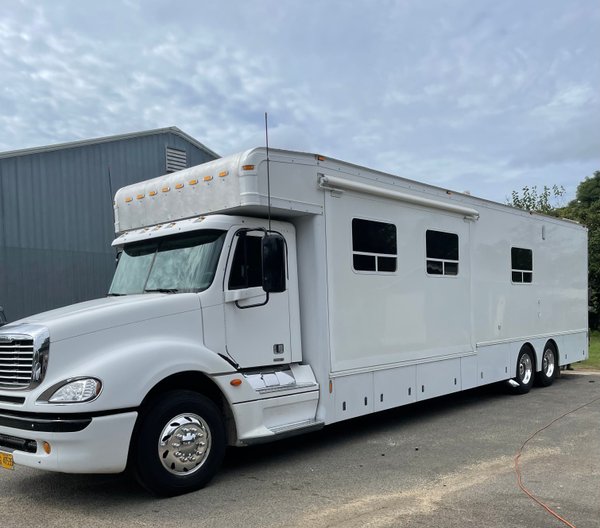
[[257, 324]]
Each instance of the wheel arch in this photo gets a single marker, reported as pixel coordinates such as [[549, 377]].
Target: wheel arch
[[554, 345], [548, 371], [531, 348], [195, 381]]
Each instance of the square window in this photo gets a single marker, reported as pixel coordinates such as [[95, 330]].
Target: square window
[[374, 246], [442, 253], [521, 265]]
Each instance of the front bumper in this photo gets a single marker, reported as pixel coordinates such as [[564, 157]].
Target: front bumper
[[79, 443]]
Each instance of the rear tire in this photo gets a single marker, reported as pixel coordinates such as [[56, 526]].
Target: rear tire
[[179, 445], [549, 369], [525, 371]]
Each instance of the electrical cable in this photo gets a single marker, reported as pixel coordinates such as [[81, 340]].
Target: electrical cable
[[518, 470]]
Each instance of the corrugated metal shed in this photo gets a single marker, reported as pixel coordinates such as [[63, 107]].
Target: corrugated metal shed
[[56, 221]]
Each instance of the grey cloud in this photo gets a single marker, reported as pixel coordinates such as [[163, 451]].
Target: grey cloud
[[467, 95]]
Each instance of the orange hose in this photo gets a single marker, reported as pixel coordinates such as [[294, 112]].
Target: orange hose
[[518, 470]]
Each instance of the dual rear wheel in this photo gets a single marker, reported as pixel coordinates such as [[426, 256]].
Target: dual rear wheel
[[526, 375]]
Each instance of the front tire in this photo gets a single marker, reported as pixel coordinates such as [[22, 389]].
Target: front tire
[[525, 371], [180, 443]]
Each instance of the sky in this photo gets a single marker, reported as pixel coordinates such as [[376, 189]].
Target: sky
[[485, 96]]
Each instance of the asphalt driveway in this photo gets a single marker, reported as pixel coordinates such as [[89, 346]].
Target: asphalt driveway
[[445, 462]]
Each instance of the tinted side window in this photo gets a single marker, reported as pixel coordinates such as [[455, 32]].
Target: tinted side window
[[442, 253], [521, 264], [246, 268], [374, 246]]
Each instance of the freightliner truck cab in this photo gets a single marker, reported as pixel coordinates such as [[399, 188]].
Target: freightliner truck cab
[[196, 346]]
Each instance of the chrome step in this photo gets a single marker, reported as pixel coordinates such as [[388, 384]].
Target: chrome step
[[285, 431], [296, 387], [297, 426]]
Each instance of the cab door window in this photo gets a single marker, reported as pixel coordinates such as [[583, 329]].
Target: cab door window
[[246, 267]]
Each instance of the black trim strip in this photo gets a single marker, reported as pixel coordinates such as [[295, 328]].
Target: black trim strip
[[12, 399], [18, 444], [53, 423], [45, 425]]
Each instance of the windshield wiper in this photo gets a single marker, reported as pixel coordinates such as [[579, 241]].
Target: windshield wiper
[[162, 290]]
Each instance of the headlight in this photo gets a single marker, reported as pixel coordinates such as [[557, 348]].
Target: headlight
[[77, 391]]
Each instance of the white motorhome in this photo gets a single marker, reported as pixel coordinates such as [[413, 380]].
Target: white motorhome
[[365, 291]]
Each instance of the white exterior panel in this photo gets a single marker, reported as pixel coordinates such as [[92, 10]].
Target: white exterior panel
[[379, 319]]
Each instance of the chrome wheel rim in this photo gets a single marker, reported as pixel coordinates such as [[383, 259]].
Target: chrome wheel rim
[[184, 444], [548, 363], [525, 369]]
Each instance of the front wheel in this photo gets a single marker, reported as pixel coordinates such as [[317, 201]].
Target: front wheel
[[525, 371], [180, 443]]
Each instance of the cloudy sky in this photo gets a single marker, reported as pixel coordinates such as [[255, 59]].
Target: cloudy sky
[[478, 95]]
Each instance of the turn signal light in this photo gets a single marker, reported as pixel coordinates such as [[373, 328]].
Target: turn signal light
[[236, 382], [247, 167], [47, 448]]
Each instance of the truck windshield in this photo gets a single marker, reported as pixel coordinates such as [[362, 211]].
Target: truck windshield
[[179, 263]]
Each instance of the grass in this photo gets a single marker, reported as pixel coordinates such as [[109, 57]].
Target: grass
[[593, 363]]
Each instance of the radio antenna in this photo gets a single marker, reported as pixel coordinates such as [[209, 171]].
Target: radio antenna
[[111, 197], [268, 174]]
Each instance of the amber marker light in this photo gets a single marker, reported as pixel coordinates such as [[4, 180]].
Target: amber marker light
[[235, 382], [330, 386], [47, 447], [319, 157], [128, 199], [193, 182], [165, 189], [152, 193], [222, 174], [140, 196], [247, 167], [179, 186], [207, 178]]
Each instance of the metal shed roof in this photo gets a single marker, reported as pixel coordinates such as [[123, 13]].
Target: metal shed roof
[[107, 139]]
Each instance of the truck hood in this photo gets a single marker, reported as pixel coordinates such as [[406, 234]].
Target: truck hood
[[102, 314]]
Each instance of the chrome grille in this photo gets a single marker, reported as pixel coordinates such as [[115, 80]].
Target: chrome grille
[[16, 362]]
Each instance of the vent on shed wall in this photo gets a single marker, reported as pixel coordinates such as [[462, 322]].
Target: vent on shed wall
[[176, 159]]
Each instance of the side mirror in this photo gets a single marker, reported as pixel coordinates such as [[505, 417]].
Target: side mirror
[[273, 263]]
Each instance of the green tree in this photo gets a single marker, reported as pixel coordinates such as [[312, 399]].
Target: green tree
[[544, 201]]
